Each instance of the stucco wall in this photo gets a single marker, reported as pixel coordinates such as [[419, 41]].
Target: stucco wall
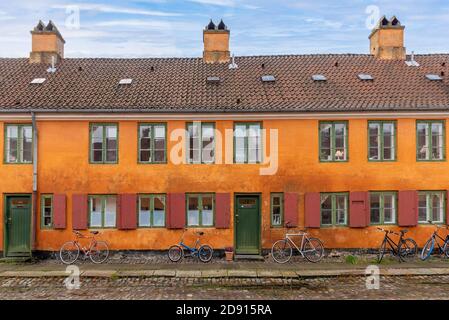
[[64, 168]]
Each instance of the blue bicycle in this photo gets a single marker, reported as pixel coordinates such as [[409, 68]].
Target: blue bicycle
[[435, 239], [178, 251]]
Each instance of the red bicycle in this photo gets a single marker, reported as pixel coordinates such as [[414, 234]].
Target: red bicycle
[[97, 251]]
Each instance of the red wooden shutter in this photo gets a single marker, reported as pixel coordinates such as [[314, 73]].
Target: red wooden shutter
[[291, 209], [59, 211], [358, 209], [127, 211], [176, 218], [79, 211], [313, 210], [222, 210], [408, 208]]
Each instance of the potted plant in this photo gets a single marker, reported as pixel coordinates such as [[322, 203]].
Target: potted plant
[[229, 251]]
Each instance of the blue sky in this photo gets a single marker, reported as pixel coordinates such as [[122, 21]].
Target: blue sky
[[173, 28]]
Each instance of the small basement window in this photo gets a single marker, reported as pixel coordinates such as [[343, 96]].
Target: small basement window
[[125, 81], [364, 76], [268, 78], [213, 80], [319, 77], [433, 77], [38, 81]]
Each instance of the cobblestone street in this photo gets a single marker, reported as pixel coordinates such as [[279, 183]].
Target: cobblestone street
[[412, 287]]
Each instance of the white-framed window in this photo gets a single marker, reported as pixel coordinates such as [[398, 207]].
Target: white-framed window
[[431, 206]]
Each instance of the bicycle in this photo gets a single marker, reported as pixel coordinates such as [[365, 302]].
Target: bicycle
[[97, 251], [403, 249], [310, 248], [430, 244], [202, 252]]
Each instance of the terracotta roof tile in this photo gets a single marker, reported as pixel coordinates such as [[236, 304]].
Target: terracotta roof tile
[[179, 85]]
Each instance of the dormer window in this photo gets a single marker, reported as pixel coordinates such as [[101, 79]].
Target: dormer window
[[365, 77], [319, 77], [268, 78], [433, 77]]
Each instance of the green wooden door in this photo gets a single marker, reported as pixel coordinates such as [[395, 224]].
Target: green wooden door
[[18, 226], [247, 225]]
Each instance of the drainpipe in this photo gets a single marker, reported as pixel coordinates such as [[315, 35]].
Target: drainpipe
[[34, 198]]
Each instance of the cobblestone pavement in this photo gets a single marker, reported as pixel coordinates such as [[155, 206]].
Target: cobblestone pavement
[[415, 287]]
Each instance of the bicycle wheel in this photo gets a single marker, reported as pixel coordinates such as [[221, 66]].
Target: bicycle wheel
[[99, 252], [408, 249], [281, 251], [205, 253], [69, 252], [446, 248], [175, 253], [427, 250], [313, 250], [382, 250]]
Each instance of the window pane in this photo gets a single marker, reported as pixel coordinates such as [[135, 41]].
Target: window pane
[[27, 143], [326, 209], [340, 141], [325, 137], [193, 212], [97, 143], [375, 208], [208, 143], [144, 212], [159, 211], [276, 215], [388, 139], [422, 207], [374, 141], [437, 141], [111, 156], [47, 202], [11, 143], [240, 134], [194, 142], [423, 148], [341, 209], [109, 218], [437, 207], [254, 143], [95, 212], [111, 144], [145, 156], [389, 208], [207, 212], [159, 143], [98, 155]]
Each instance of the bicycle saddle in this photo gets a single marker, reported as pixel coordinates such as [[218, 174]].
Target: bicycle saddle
[[200, 233], [94, 232], [404, 231]]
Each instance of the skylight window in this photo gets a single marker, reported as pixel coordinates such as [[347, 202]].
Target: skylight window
[[268, 78], [38, 81], [433, 77], [412, 63], [365, 77], [125, 81], [213, 79], [319, 77]]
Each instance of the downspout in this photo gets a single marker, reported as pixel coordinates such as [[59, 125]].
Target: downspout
[[34, 198]]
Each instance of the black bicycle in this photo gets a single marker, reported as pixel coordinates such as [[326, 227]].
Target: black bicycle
[[404, 249], [435, 239]]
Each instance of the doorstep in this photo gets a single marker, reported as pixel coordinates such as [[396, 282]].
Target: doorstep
[[251, 257]]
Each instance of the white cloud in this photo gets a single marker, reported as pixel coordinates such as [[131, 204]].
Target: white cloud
[[115, 9]]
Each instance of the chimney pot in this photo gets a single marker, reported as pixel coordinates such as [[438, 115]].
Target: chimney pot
[[216, 43], [387, 40], [47, 44]]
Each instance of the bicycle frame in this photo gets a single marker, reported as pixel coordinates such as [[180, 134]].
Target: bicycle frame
[[86, 250], [288, 237], [192, 250], [437, 237], [395, 246]]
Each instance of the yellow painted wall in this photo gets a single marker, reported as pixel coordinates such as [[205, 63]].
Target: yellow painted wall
[[64, 168]]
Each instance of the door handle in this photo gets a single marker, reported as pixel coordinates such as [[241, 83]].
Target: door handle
[[9, 221]]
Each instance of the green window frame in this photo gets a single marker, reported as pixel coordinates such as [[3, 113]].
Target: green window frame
[[200, 210], [382, 144], [333, 146], [149, 213], [18, 144], [429, 209], [430, 140], [334, 206], [152, 145], [200, 142], [248, 142], [102, 211], [47, 211], [104, 145], [277, 209], [383, 204]]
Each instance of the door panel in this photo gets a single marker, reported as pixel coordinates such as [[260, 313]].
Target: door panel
[[247, 225], [18, 226]]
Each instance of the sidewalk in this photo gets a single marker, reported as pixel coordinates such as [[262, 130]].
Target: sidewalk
[[228, 270]]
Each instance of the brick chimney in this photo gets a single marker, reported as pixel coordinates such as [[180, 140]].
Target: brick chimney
[[46, 43], [387, 40], [216, 43]]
